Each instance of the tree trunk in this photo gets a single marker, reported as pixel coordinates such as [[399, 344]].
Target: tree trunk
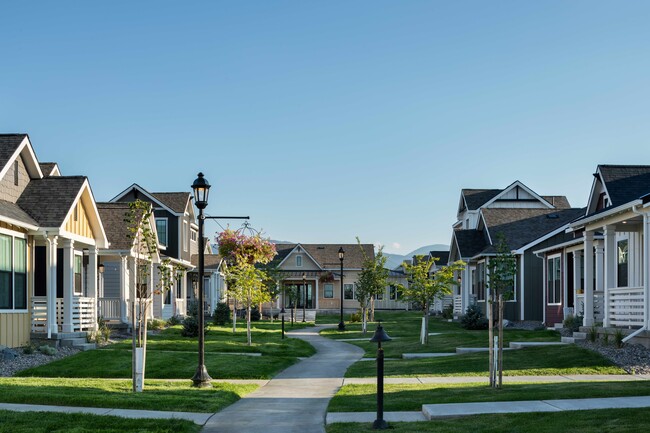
[[372, 308], [248, 325], [364, 323], [234, 316], [500, 341], [133, 341], [426, 326], [144, 325], [490, 314]]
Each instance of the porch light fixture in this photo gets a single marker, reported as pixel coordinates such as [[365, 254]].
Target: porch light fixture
[[201, 378], [304, 299], [341, 257], [379, 337]]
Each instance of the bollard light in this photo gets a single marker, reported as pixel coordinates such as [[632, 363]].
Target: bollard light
[[379, 337]]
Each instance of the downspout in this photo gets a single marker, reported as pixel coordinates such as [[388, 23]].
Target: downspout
[[646, 295]]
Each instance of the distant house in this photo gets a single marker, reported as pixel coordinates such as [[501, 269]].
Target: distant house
[[214, 282], [50, 235], [527, 220]]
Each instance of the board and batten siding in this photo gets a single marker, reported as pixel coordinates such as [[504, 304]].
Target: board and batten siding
[[78, 223]]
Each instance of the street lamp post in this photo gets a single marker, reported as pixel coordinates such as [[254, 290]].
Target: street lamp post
[[304, 298], [379, 337], [201, 188], [341, 256]]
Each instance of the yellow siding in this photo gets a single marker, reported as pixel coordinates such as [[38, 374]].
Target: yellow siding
[[14, 329], [81, 226], [7, 226]]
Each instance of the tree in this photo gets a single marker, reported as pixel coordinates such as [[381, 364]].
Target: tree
[[424, 288], [145, 245], [371, 282], [502, 270], [246, 281]]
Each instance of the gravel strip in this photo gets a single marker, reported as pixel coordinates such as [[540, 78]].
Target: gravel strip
[[10, 367], [633, 358]]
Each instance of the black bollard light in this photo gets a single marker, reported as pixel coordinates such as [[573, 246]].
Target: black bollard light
[[379, 337], [283, 326]]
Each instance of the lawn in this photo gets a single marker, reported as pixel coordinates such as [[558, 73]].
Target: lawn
[[172, 356], [363, 398], [588, 421], [404, 327], [157, 395], [541, 361], [48, 422]]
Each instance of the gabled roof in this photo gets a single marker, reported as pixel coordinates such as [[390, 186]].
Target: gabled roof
[[558, 201], [625, 183], [210, 261], [117, 232], [522, 226], [327, 255], [470, 242], [12, 214], [9, 143], [176, 201], [442, 255], [12, 145], [49, 200], [49, 169], [475, 198]]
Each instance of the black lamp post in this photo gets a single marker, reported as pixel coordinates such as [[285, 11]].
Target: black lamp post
[[341, 256], [201, 189], [379, 337], [304, 298]]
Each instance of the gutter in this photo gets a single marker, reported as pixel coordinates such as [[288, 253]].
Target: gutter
[[583, 222]]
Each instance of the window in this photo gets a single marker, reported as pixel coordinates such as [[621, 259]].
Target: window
[[553, 280], [380, 296], [186, 238], [479, 287], [392, 292], [13, 273], [194, 235], [299, 261], [328, 291], [622, 271], [161, 228], [179, 288], [348, 291], [78, 260]]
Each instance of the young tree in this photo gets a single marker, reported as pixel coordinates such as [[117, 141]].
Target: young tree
[[424, 289], [502, 270], [246, 281], [139, 228], [371, 282]]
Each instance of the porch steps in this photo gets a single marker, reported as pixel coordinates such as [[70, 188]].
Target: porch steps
[[310, 316], [577, 336], [76, 340]]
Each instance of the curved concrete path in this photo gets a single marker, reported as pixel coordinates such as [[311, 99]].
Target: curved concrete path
[[296, 399]]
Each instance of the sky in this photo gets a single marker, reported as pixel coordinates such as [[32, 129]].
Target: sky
[[327, 120]]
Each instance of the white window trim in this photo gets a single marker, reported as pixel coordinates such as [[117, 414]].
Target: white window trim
[[185, 236], [299, 256], [166, 243], [549, 258], [485, 290], [328, 297], [79, 254], [354, 291], [19, 235]]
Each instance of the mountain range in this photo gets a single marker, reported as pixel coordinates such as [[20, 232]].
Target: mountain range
[[395, 260]]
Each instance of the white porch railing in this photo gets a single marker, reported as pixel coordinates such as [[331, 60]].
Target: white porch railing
[[599, 306], [180, 307], [626, 306], [108, 308], [83, 313], [458, 304]]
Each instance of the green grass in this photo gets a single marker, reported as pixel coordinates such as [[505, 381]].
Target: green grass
[[48, 422], [362, 398], [543, 361], [157, 395], [172, 356], [588, 421], [404, 327]]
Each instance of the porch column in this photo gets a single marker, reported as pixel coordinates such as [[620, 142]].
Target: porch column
[[184, 294], [646, 268], [600, 276], [465, 285], [50, 284], [577, 255], [68, 285], [124, 290], [91, 288], [316, 285], [588, 319], [610, 269]]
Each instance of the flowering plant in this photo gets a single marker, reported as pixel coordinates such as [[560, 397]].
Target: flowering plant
[[240, 248]]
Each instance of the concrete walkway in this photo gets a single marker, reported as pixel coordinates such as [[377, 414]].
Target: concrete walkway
[[296, 399], [506, 379]]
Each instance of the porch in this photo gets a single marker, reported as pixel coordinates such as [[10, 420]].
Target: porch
[[81, 317]]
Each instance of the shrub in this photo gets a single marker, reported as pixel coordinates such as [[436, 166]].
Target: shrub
[[606, 338], [156, 324], [174, 320], [572, 323], [474, 318], [618, 338], [355, 317], [592, 334], [448, 312], [101, 335], [28, 350], [221, 314], [191, 322], [255, 314], [47, 350]]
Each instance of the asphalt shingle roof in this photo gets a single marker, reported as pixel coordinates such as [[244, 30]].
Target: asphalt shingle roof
[[522, 226], [470, 242], [559, 201], [475, 198], [8, 145], [625, 183], [327, 255], [176, 201], [49, 200], [117, 232], [47, 167], [13, 211], [442, 255], [210, 261]]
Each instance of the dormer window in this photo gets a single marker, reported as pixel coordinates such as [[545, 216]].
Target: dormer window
[[298, 261]]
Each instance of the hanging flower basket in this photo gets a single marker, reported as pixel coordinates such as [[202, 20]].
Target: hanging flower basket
[[327, 277]]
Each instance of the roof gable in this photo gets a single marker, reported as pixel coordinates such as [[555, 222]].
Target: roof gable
[[308, 262], [176, 201], [473, 199], [621, 183], [12, 145], [518, 192], [138, 190]]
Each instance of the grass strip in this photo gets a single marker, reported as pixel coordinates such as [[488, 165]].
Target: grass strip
[[363, 398], [48, 422], [158, 394]]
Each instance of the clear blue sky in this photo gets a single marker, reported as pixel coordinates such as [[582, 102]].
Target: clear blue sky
[[331, 119]]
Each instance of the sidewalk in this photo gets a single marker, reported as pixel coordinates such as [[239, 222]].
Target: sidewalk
[[506, 379], [433, 411]]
